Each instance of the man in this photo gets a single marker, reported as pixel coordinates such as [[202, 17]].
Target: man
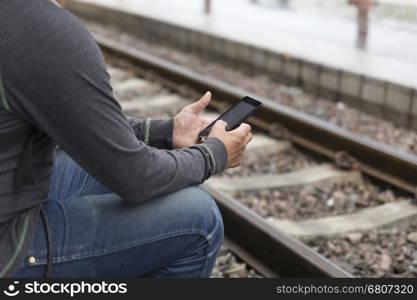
[[121, 200]]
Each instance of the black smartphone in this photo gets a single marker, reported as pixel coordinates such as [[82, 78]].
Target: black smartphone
[[235, 115]]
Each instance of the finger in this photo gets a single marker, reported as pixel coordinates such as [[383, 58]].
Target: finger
[[243, 129], [220, 124], [246, 127], [202, 140], [236, 164], [207, 121], [198, 106], [248, 138]]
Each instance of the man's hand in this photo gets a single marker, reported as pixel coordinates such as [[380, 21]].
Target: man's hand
[[187, 123], [234, 140]]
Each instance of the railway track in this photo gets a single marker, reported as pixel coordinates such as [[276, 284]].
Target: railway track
[[322, 157]]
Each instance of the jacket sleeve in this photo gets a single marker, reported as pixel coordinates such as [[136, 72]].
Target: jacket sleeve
[[64, 91], [154, 132]]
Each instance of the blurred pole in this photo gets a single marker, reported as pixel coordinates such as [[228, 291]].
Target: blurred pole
[[61, 2], [284, 3], [207, 7], [363, 6]]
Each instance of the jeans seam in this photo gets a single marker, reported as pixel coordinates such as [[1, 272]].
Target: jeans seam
[[64, 259], [218, 220], [64, 213], [205, 258], [209, 240]]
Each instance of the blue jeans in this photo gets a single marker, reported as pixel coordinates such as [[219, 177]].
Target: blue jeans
[[96, 234]]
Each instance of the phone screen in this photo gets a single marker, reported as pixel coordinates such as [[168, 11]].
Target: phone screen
[[235, 115]]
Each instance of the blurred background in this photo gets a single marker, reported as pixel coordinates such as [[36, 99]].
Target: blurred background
[[391, 24], [334, 155]]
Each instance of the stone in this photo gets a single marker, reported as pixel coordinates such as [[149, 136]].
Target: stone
[[354, 237], [413, 270], [330, 202], [386, 262], [341, 105], [412, 237]]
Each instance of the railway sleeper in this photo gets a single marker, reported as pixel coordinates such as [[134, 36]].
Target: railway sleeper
[[290, 180], [157, 105], [135, 86], [364, 220]]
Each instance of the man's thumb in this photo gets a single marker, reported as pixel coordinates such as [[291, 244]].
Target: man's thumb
[[201, 104]]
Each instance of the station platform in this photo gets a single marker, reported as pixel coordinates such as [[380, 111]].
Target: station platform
[[316, 36]]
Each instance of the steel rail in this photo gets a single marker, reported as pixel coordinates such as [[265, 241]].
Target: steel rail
[[373, 158], [267, 249]]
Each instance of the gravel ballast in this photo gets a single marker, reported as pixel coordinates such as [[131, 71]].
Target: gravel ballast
[[276, 163], [378, 253], [229, 266], [317, 201]]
